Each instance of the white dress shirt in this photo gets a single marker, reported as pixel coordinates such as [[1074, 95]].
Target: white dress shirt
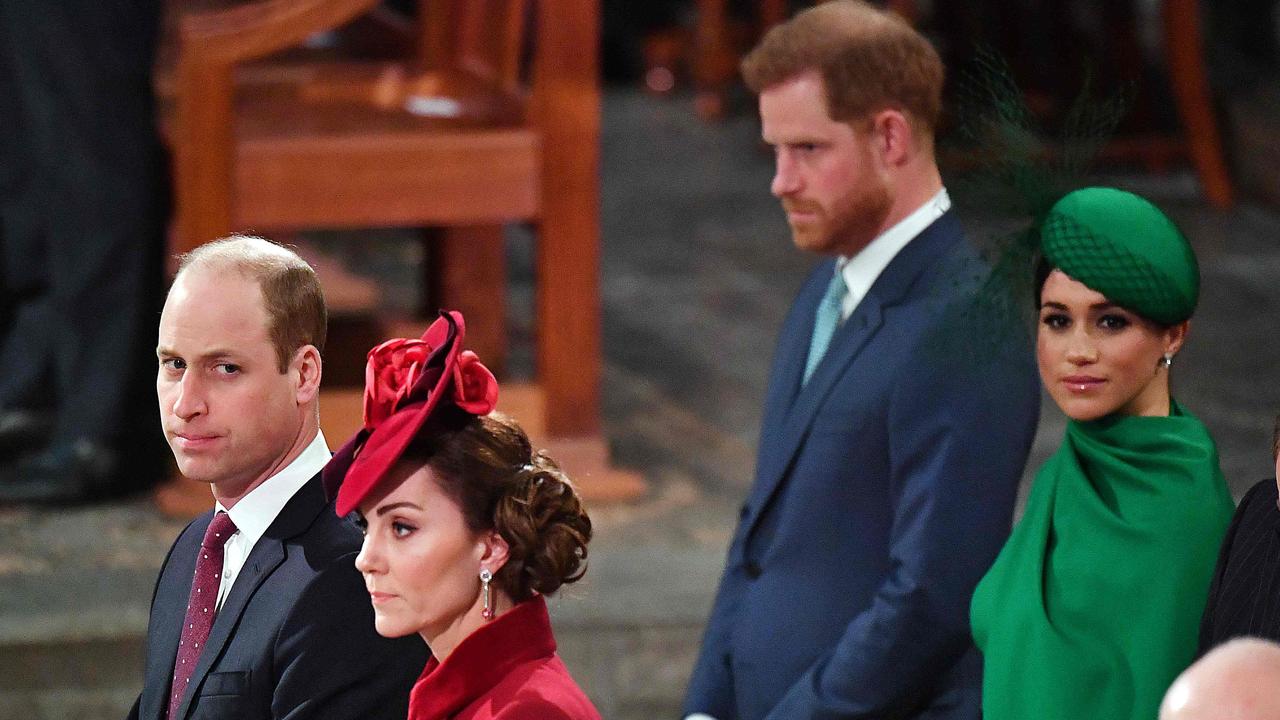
[[256, 511], [861, 270]]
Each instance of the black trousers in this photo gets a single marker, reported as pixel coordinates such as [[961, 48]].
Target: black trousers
[[83, 212]]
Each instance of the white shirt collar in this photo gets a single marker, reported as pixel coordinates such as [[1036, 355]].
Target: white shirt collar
[[255, 512], [861, 270]]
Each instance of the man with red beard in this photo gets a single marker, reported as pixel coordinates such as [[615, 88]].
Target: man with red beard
[[889, 458]]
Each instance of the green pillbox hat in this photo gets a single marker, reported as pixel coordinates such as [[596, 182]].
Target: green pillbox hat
[[1122, 246]]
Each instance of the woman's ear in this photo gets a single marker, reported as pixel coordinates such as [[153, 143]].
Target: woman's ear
[[1175, 335], [494, 551]]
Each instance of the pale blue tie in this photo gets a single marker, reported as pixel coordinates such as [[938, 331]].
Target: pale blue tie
[[825, 321]]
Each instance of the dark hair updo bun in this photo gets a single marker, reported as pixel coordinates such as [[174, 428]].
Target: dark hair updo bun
[[486, 464], [547, 529]]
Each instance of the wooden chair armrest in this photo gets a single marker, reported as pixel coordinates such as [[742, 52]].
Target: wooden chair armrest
[[247, 32]]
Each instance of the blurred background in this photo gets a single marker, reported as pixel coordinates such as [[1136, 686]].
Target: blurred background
[[585, 180]]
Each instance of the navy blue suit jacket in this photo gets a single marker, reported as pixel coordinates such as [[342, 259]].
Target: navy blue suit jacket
[[294, 638], [884, 489]]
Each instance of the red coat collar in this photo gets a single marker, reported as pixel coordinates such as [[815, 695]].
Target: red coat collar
[[482, 659]]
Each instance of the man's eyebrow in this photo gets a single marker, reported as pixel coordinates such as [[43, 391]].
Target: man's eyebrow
[[163, 351]]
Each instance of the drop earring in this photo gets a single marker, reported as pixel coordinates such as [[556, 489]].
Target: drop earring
[[1167, 360], [485, 577]]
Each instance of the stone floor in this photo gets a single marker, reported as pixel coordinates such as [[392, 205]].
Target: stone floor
[[697, 273]]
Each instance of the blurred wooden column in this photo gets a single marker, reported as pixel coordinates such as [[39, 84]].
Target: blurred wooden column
[[567, 304], [714, 59], [1184, 48], [466, 270]]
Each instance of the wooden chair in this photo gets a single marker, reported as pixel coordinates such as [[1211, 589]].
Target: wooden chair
[[495, 119], [452, 139]]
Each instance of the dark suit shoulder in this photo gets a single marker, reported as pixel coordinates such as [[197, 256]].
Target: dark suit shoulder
[[331, 536], [308, 520], [327, 651], [1250, 535], [1254, 516], [1244, 598], [335, 585], [1260, 499]]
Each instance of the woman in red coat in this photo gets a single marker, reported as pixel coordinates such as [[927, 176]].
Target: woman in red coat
[[466, 531]]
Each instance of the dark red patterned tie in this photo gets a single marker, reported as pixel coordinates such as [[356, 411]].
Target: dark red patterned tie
[[201, 607]]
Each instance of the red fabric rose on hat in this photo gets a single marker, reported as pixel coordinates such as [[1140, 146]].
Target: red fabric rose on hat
[[406, 381], [389, 375], [474, 387]]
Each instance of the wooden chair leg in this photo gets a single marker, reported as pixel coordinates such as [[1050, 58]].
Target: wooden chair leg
[[713, 59], [567, 301], [1184, 45], [467, 271]]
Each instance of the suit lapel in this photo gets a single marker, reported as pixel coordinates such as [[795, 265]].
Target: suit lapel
[[793, 348], [168, 612], [266, 555], [791, 425], [849, 340]]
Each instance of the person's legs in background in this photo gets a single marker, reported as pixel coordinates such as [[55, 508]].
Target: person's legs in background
[[84, 214]]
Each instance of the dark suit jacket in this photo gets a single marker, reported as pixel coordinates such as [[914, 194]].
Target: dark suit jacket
[[1244, 596], [884, 489], [294, 638]]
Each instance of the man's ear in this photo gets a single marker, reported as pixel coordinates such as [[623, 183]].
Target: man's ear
[[893, 138], [306, 366]]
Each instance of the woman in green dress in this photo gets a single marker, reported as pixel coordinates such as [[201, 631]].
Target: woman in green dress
[[1091, 608]]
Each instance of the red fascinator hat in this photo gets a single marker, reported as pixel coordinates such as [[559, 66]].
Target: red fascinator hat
[[405, 382]]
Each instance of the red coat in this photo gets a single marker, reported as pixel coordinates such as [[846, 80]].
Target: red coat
[[506, 670]]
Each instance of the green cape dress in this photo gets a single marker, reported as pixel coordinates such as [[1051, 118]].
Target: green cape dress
[[1092, 607]]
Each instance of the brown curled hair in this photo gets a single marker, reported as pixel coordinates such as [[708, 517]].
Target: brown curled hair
[[488, 467], [870, 60]]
